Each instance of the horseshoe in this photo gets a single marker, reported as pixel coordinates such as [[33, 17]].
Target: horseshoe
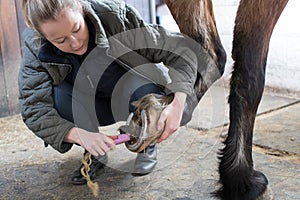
[[141, 125], [136, 144]]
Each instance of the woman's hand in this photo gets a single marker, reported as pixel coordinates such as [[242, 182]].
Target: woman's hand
[[171, 116], [95, 143]]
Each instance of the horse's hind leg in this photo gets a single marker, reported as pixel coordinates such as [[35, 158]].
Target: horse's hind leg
[[254, 24]]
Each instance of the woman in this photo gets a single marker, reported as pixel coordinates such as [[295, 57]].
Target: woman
[[73, 61]]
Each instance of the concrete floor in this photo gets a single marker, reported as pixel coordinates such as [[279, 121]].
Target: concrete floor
[[187, 162]]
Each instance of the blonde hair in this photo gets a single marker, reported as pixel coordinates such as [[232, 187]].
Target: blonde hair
[[37, 12]]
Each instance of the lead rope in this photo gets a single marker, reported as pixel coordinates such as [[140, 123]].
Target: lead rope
[[87, 161]]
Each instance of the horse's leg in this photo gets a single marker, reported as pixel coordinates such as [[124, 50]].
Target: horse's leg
[[196, 19], [254, 24]]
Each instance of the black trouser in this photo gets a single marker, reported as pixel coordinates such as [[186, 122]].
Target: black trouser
[[110, 104]]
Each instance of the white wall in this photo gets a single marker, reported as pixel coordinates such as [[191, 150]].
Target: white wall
[[284, 56], [283, 65]]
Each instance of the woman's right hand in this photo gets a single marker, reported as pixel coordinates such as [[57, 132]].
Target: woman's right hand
[[95, 143]]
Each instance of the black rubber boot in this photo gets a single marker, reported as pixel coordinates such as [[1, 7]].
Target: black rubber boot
[[97, 163]]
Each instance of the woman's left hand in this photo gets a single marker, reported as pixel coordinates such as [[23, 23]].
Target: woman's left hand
[[170, 117]]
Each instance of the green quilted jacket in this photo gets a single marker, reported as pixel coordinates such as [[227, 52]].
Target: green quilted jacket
[[123, 35]]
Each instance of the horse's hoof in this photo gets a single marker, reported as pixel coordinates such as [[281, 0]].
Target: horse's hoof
[[267, 195], [141, 125]]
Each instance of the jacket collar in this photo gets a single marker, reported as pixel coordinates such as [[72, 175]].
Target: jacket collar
[[49, 53]]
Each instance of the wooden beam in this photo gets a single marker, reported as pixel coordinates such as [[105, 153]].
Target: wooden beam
[[3, 100], [11, 53]]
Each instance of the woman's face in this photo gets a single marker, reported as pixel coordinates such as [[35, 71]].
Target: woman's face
[[68, 32]]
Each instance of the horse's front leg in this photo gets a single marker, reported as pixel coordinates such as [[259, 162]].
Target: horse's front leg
[[254, 24], [237, 175]]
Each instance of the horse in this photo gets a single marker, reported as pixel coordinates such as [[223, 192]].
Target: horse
[[254, 24]]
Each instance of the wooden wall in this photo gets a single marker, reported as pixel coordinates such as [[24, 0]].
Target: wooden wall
[[11, 24]]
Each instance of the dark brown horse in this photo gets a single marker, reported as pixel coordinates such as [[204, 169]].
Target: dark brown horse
[[254, 23]]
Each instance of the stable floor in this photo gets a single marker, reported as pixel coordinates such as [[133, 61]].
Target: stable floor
[[187, 162]]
